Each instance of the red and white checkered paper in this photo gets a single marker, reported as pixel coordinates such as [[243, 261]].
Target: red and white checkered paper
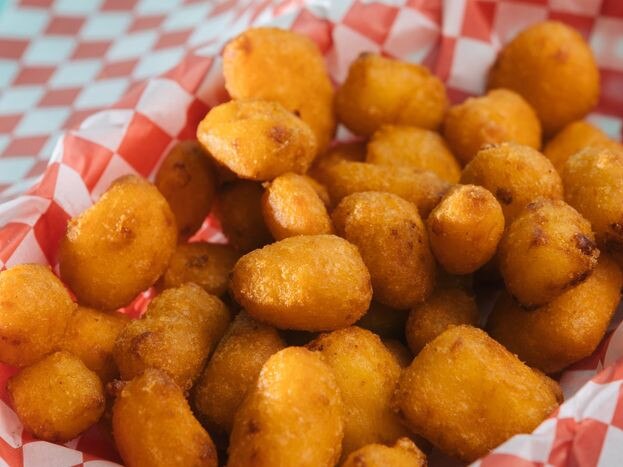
[[457, 39]]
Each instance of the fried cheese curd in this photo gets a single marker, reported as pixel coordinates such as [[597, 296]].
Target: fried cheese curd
[[292, 206], [187, 181], [120, 246], [366, 373], [381, 90], [551, 66], [573, 138], [57, 398], [514, 174], [153, 425], [35, 308], [233, 369], [383, 320], [548, 249], [177, 333], [422, 188], [291, 416], [253, 60], [353, 151], [565, 330], [466, 394], [444, 308], [393, 243], [593, 181], [465, 228], [205, 264], [91, 335], [309, 282], [257, 140], [499, 116], [404, 453], [400, 352], [239, 210], [401, 145]]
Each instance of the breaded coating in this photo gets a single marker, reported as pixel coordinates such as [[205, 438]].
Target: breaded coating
[[409, 146], [553, 68], [366, 373], [499, 116], [567, 329], [292, 206], [257, 140], [467, 394], [393, 243], [120, 246], [465, 228], [291, 416], [444, 308], [548, 249], [35, 308], [309, 282], [206, 264], [514, 174], [57, 398], [154, 426], [177, 333], [233, 369], [285, 67], [187, 180], [240, 213], [381, 90]]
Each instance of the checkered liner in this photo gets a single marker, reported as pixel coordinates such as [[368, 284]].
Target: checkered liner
[[457, 39]]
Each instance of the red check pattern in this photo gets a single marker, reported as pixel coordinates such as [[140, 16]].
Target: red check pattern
[[108, 49]]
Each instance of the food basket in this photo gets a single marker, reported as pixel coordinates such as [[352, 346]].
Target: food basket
[[457, 39]]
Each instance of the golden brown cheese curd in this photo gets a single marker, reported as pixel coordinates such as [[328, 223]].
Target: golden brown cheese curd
[[383, 320], [393, 243], [119, 246], [410, 146], [404, 453], [573, 138], [205, 264], [91, 335], [366, 373], [240, 213], [291, 206], [381, 90], [177, 333], [553, 68], [257, 140], [257, 57], [548, 249], [187, 180], [444, 308], [514, 174], [353, 151], [153, 425], [400, 352], [499, 116], [233, 369], [309, 282], [467, 394], [593, 180], [57, 398], [465, 228], [291, 416], [34, 310], [567, 329], [422, 188], [320, 189]]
